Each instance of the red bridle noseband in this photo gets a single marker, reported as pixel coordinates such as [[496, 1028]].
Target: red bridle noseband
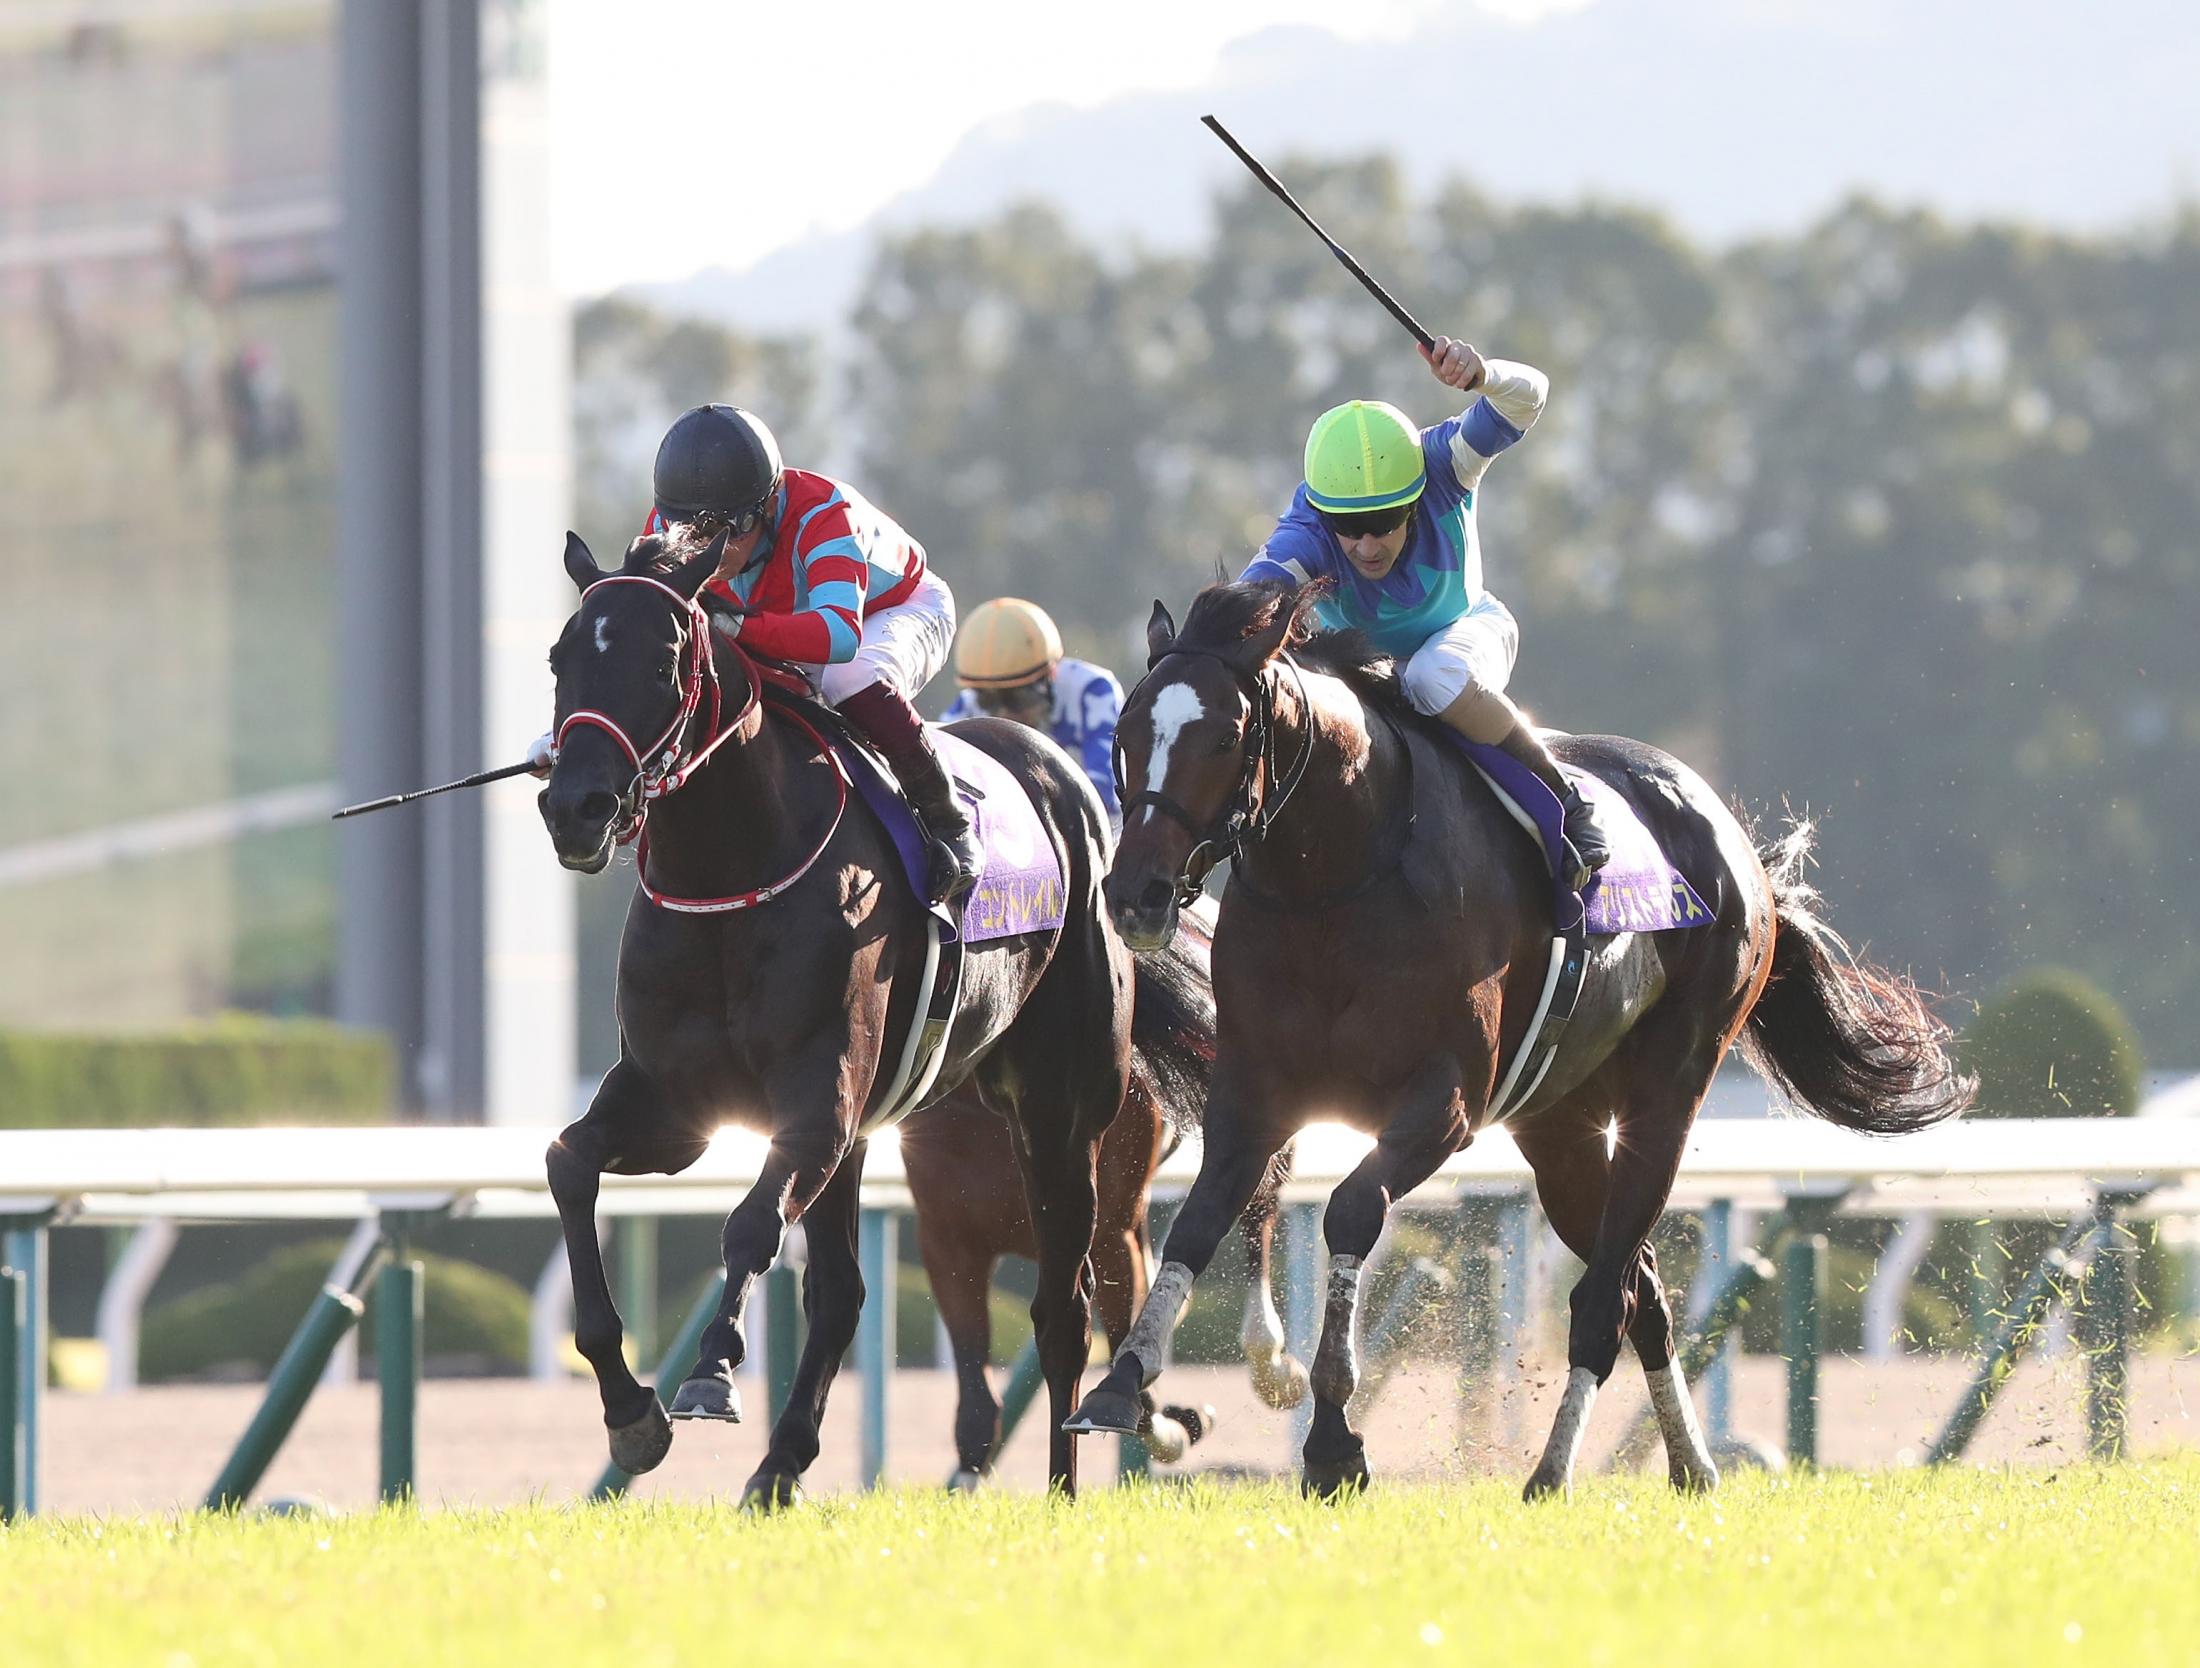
[[666, 764]]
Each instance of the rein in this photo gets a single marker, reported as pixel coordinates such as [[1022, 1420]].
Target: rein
[[1377, 871], [1252, 814], [669, 762]]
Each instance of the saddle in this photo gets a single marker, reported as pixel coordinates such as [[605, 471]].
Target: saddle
[[1020, 889], [1639, 890]]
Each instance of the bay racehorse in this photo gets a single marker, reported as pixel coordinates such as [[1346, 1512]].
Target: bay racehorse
[[961, 1166], [770, 964], [1383, 941]]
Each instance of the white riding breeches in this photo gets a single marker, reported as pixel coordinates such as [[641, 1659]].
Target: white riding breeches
[[1477, 649], [903, 647]]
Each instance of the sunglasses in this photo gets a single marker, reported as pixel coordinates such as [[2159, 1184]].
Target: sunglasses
[[1367, 524]]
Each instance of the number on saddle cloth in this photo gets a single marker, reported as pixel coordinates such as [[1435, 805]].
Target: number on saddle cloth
[[1020, 889], [1639, 890]]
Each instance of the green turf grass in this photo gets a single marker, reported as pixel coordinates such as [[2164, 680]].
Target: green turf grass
[[1953, 1568]]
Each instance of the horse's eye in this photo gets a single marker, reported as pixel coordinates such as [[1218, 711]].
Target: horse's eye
[[1228, 743], [668, 669]]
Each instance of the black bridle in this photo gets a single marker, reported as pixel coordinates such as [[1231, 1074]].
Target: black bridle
[[1252, 811]]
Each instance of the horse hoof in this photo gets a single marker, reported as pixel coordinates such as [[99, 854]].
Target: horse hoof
[[771, 1491], [1693, 1476], [642, 1445], [1280, 1380], [707, 1398], [1199, 1422], [965, 1481], [1165, 1437], [1548, 1483], [1335, 1478], [1104, 1410]]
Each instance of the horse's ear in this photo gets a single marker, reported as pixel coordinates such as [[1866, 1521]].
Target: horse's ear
[[691, 575], [1258, 647], [1160, 633], [580, 566]]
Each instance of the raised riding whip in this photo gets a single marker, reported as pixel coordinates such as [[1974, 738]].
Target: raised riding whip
[[1337, 249], [474, 781]]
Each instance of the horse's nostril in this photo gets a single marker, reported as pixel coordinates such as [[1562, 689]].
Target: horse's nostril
[[1156, 894], [597, 807]]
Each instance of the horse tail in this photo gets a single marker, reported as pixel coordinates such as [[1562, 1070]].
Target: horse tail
[[1853, 1043], [1173, 1018]]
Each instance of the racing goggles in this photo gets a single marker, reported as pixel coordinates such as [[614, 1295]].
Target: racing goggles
[[740, 523], [1367, 524]]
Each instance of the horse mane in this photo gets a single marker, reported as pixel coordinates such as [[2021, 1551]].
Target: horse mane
[[1225, 613]]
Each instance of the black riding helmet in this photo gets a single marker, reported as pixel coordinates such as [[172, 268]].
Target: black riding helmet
[[719, 461]]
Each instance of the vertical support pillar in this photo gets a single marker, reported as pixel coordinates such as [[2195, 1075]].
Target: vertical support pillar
[[16, 1493], [1025, 1381], [2108, 1311], [1514, 1324], [1983, 1255], [1717, 1271], [638, 1282], [782, 1333], [875, 1335], [398, 1323], [1301, 1222], [1802, 1302], [24, 1251]]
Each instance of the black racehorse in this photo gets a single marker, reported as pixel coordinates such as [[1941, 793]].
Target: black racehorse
[[1384, 939], [768, 971]]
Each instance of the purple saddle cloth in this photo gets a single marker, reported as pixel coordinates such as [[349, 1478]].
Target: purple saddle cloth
[[1639, 890], [1020, 889]]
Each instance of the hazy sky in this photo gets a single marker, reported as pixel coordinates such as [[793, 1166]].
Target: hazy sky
[[645, 92]]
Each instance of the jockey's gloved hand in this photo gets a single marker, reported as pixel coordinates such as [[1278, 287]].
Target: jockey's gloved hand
[[542, 753]]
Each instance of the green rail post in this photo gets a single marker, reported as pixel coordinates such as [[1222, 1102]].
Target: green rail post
[[1478, 1302], [2109, 1303], [1025, 1380], [1718, 1369], [24, 1250], [398, 1323], [1303, 1287], [15, 1453], [1802, 1302], [612, 1482], [1982, 1244], [782, 1335], [638, 1282], [289, 1386], [875, 1335], [2007, 1341]]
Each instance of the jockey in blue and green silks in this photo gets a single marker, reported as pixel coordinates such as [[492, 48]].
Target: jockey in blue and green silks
[[1386, 514]]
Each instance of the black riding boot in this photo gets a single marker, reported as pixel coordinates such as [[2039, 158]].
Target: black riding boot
[[955, 857], [1584, 834]]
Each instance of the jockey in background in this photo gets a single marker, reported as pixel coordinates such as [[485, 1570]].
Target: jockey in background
[[1009, 661], [833, 587], [1387, 516]]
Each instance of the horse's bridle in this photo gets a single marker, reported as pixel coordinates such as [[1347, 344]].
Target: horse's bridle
[[665, 764], [1252, 812]]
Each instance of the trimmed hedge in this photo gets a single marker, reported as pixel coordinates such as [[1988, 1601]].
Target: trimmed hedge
[[238, 1069], [470, 1312], [2052, 1044]]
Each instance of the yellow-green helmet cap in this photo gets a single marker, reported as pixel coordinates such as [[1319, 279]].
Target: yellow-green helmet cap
[[1363, 455]]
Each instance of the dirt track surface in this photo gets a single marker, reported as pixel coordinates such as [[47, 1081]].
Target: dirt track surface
[[485, 1441]]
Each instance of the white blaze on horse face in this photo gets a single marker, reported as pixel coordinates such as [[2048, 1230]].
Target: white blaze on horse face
[[1175, 707], [603, 635]]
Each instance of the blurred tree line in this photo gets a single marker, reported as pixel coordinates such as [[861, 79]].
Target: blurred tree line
[[1894, 520]]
